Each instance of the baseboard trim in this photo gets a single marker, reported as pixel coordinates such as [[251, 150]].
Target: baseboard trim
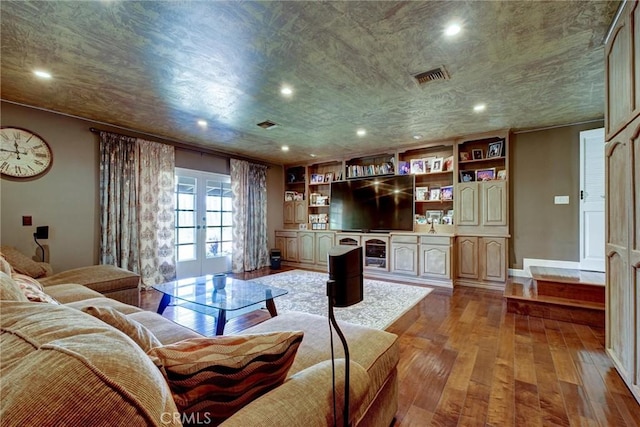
[[530, 262]]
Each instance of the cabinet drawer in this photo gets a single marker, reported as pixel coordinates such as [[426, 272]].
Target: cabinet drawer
[[286, 234], [403, 238], [435, 240]]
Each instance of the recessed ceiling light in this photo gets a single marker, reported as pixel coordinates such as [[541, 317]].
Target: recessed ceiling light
[[312, 155], [361, 132], [285, 148], [480, 107], [452, 30], [202, 123], [42, 74], [286, 91], [417, 136]]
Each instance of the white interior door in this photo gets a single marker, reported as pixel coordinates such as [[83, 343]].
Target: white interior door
[[592, 200], [203, 223]]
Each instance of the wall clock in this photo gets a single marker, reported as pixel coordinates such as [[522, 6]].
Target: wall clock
[[23, 154]]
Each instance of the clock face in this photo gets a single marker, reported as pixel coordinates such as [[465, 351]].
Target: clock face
[[23, 154]]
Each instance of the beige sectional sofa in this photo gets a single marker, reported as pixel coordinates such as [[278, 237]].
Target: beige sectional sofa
[[62, 366]]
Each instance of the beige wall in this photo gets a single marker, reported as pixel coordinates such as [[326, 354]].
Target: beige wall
[[544, 164], [66, 197]]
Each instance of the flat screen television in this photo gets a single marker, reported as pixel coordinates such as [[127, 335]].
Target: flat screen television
[[374, 204]]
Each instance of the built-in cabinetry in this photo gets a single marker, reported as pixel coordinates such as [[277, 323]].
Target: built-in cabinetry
[[461, 207], [481, 206], [622, 154]]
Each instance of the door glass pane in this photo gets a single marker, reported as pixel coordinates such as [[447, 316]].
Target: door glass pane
[[186, 219], [227, 218], [186, 252], [214, 219], [226, 233], [186, 235]]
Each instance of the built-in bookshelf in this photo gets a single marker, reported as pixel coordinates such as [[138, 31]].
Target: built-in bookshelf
[[382, 164], [433, 167], [321, 176], [482, 160]]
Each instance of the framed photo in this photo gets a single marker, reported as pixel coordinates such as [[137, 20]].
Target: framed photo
[[448, 163], [417, 166], [486, 174], [302, 226], [328, 177], [434, 217], [317, 178], [434, 193], [477, 153], [298, 196], [289, 196], [467, 176], [436, 164], [422, 193], [404, 168], [495, 149], [464, 156], [502, 174], [446, 192], [428, 163]]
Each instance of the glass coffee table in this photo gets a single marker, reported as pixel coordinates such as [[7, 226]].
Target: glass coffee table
[[200, 294]]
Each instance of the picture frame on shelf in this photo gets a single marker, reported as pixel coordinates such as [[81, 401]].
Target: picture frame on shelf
[[436, 164], [434, 193], [477, 153], [421, 219], [322, 200], [302, 226], [422, 194], [446, 192], [289, 196], [502, 174], [428, 163], [328, 177], [495, 149], [467, 176], [464, 156], [448, 164], [404, 168], [298, 197], [317, 178], [488, 174], [433, 217], [417, 166]]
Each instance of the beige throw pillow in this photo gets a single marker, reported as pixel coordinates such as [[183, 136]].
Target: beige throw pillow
[[134, 330], [214, 377], [21, 263], [10, 290], [32, 289]]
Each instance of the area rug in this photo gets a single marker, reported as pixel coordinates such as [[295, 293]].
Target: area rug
[[382, 305]]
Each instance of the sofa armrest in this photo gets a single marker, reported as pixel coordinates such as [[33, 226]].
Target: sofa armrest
[[306, 399]]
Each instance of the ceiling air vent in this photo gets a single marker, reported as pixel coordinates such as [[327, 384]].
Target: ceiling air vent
[[432, 75], [267, 124]]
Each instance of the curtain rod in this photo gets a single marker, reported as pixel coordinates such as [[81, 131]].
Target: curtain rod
[[187, 147]]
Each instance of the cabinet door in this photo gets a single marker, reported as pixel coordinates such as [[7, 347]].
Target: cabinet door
[[300, 212], [305, 248], [375, 252], [324, 242], [281, 244], [493, 254], [467, 203], [404, 258], [494, 203], [288, 213], [291, 248], [468, 257], [435, 261]]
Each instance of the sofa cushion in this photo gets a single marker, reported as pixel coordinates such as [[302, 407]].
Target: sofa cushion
[[217, 376], [22, 263], [10, 290], [375, 350], [100, 278], [5, 267], [59, 366], [167, 331], [101, 301], [134, 330], [71, 292]]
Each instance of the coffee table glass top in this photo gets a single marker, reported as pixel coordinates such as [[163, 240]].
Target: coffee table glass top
[[237, 294]]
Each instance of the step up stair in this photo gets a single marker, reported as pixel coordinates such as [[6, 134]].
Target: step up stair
[[559, 294]]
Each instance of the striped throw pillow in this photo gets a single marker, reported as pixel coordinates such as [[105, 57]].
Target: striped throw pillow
[[213, 378]]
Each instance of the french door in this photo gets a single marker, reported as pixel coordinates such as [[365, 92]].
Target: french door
[[203, 223], [592, 200]]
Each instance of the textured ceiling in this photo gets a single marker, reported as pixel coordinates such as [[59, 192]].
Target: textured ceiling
[[158, 67]]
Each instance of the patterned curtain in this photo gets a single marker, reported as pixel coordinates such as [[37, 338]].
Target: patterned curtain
[[249, 195], [118, 196], [156, 212], [137, 208]]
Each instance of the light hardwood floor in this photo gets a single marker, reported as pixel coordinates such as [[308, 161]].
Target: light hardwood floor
[[465, 361]]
